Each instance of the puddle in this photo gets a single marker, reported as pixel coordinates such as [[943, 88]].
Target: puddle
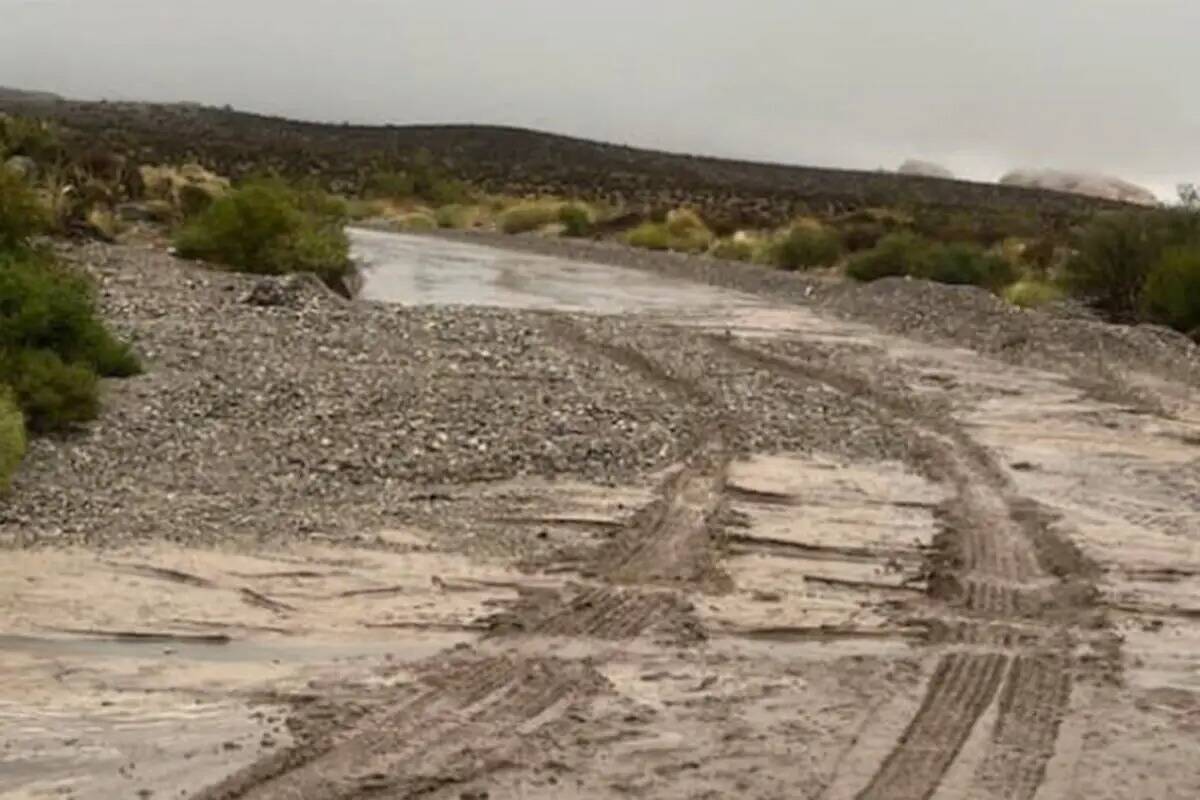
[[417, 270]]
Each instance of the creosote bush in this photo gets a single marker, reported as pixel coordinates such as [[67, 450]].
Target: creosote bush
[[896, 254], [576, 219], [804, 247], [269, 228], [458, 216], [529, 216], [650, 236], [966, 264], [12, 437], [416, 222], [21, 213], [738, 247], [1171, 294]]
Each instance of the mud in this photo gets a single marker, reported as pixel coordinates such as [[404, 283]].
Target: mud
[[1001, 603]]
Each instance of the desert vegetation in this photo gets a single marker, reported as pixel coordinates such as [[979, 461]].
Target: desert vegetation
[[54, 348], [268, 227]]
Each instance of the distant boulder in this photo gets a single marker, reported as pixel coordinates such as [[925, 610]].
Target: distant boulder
[[1093, 185], [927, 169]]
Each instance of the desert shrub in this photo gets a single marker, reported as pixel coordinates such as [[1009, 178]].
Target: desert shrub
[[1171, 294], [421, 178], [525, 217], [195, 199], [21, 213], [576, 219], [267, 227], [858, 236], [686, 232], [416, 222], [1040, 253], [804, 247], [54, 395], [739, 247], [458, 216], [102, 223], [359, 209], [963, 263], [21, 136], [896, 254], [12, 437], [189, 189], [1113, 260], [1032, 293], [650, 236], [390, 186], [44, 306]]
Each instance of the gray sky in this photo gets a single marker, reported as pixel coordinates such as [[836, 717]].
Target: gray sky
[[978, 85]]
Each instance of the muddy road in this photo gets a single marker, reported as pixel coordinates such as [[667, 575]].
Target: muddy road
[[831, 561]]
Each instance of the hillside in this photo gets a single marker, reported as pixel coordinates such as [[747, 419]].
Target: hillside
[[517, 161]]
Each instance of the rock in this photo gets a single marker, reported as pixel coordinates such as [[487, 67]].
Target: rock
[[927, 169], [24, 166], [1089, 184], [152, 211], [274, 292]]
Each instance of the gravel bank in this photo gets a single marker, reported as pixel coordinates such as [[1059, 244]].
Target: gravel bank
[[318, 416]]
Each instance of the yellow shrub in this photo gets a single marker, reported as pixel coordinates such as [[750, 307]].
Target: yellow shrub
[[12, 438]]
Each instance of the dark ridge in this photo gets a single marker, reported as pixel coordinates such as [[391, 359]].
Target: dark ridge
[[518, 161]]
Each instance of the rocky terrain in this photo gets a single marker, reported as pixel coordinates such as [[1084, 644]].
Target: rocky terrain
[[523, 162], [804, 540]]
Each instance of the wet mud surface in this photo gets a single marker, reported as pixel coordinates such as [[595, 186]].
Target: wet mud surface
[[868, 567]]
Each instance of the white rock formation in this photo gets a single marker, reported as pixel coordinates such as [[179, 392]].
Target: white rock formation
[[926, 168], [1093, 185]]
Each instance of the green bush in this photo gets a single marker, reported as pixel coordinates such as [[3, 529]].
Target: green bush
[[21, 214], [962, 263], [804, 247], [12, 437], [43, 306], [268, 228], [576, 219], [526, 217], [421, 178], [55, 395], [650, 236], [1171, 295], [21, 136], [1115, 255], [858, 236], [53, 346], [896, 254]]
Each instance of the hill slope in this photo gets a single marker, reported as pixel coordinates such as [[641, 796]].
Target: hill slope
[[519, 161]]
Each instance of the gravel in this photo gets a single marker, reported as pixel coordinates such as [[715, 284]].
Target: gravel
[[273, 409], [285, 411]]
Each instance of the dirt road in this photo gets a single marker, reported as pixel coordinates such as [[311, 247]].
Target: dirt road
[[855, 564]]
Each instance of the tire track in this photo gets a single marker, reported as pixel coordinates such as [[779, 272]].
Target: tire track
[[671, 542], [1000, 562], [962, 686], [1036, 692], [440, 737]]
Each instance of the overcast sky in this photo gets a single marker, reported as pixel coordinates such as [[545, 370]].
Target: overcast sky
[[978, 85]]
